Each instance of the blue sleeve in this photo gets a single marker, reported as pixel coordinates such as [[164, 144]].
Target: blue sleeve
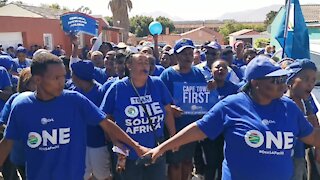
[[4, 115], [13, 130], [108, 102], [212, 123], [4, 79], [304, 126], [166, 80], [165, 94], [89, 111]]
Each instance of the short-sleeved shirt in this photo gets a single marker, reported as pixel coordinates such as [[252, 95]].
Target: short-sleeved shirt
[[123, 104], [100, 75], [4, 82], [158, 70], [171, 78], [18, 66], [259, 139], [53, 133]]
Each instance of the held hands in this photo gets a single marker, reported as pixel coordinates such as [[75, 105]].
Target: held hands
[[154, 153], [141, 150], [177, 111]]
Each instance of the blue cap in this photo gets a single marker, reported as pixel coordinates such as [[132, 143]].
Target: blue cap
[[21, 49], [261, 67], [6, 61], [298, 65], [213, 45], [182, 44], [83, 69]]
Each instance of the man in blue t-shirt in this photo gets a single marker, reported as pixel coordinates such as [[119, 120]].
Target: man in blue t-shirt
[[21, 61], [51, 122], [260, 127]]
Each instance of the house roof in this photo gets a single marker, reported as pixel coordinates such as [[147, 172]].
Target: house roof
[[43, 11], [241, 32], [205, 29], [311, 12]]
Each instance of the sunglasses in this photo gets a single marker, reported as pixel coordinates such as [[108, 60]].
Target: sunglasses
[[277, 80]]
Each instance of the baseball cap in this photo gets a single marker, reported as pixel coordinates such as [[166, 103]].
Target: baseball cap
[[213, 45], [298, 65], [83, 69], [182, 44], [6, 61], [261, 67], [21, 49]]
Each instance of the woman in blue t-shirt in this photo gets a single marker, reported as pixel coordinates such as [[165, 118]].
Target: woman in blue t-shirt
[[259, 126], [140, 105]]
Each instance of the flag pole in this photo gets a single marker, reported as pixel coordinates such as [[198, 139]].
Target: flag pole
[[285, 35]]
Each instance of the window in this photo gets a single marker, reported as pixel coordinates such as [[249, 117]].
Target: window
[[48, 41]]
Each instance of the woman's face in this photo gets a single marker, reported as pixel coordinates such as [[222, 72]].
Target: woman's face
[[303, 84], [140, 66], [219, 70], [273, 87]]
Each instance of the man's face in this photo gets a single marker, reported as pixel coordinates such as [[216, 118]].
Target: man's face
[[51, 83], [211, 55], [185, 57], [21, 56]]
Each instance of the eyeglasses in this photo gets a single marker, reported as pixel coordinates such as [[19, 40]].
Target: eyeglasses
[[277, 80]]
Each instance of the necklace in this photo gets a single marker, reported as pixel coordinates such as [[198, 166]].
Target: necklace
[[136, 91]]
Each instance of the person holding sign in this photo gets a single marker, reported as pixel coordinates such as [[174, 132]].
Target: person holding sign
[[189, 89], [140, 105], [259, 125]]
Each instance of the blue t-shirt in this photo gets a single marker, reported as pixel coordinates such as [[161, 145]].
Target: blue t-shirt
[[206, 71], [158, 70], [123, 104], [4, 82], [95, 134], [17, 154], [53, 133], [100, 75], [238, 62], [18, 66], [228, 89], [171, 79], [259, 139], [107, 84]]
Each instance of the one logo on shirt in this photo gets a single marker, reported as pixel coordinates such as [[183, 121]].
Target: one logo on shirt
[[45, 121], [131, 111], [274, 143], [48, 141], [267, 122]]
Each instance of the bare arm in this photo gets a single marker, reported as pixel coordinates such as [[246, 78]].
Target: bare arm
[[5, 148], [170, 120], [156, 47], [75, 46], [313, 139], [117, 134], [188, 134]]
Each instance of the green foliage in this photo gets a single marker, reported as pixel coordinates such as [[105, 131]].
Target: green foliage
[[261, 42], [3, 2], [232, 26], [109, 20], [270, 17], [55, 6], [166, 22], [139, 25]]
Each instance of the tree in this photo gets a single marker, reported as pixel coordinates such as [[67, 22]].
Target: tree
[[232, 26], [119, 9], [55, 6], [3, 2], [84, 9], [270, 17], [109, 20], [166, 22], [139, 25], [261, 42]]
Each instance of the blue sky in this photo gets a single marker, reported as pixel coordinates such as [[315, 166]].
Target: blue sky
[[185, 9]]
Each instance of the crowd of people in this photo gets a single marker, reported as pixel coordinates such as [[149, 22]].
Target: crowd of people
[[147, 112]]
